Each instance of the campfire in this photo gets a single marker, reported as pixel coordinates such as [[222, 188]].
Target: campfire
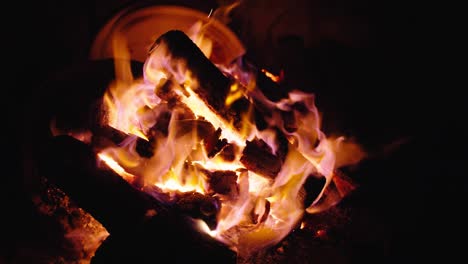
[[219, 145]]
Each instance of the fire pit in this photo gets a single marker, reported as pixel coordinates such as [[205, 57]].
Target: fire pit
[[196, 141], [192, 141]]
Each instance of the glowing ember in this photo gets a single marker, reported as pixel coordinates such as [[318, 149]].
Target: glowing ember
[[271, 76], [258, 209]]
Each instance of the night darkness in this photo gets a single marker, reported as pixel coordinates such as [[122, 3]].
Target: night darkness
[[366, 63]]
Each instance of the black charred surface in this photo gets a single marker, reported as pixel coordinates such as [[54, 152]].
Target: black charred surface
[[145, 148], [257, 156], [218, 147], [228, 153], [199, 206], [105, 136], [223, 182]]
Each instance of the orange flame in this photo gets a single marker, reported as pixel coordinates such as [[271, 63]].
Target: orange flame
[[270, 75], [116, 167], [264, 210]]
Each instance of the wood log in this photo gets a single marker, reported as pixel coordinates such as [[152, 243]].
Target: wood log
[[181, 55], [223, 182], [181, 50], [138, 224], [178, 50], [258, 156], [73, 167], [199, 206]]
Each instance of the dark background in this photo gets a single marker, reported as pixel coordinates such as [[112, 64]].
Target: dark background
[[370, 66]]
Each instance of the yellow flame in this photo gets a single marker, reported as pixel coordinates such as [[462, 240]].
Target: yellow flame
[[235, 93], [270, 75], [200, 109], [197, 35], [114, 165], [174, 184]]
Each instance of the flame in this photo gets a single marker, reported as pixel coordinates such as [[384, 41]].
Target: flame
[[197, 35], [270, 75], [126, 99], [116, 167], [264, 210]]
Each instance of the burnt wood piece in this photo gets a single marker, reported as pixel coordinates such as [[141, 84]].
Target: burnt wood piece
[[106, 136], [137, 223], [73, 167], [258, 156], [228, 152], [223, 182], [182, 55], [199, 206], [202, 129], [181, 50], [213, 145]]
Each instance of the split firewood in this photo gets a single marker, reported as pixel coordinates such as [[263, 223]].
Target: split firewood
[[179, 50], [181, 56], [137, 222], [73, 167]]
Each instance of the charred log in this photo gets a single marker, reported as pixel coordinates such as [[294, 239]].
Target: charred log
[[127, 213], [105, 136], [213, 86], [258, 156], [223, 182], [199, 206], [213, 145], [72, 166], [180, 48]]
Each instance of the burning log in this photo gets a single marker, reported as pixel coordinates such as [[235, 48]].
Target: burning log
[[72, 166], [105, 136], [175, 48], [223, 182], [127, 213], [199, 206], [257, 156], [178, 51], [182, 51]]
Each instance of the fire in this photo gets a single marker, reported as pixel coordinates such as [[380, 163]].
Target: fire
[[260, 210], [115, 166], [270, 75]]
